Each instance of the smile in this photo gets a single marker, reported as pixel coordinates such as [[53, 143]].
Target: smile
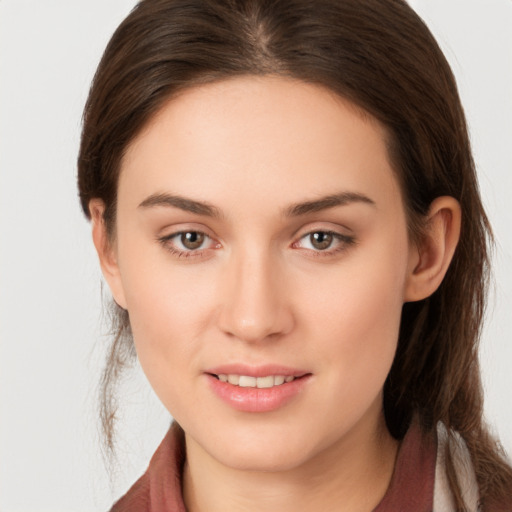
[[264, 392], [246, 381]]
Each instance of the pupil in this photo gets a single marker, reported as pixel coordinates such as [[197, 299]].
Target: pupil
[[321, 240], [192, 240]]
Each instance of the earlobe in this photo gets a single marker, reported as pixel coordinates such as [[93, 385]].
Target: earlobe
[[106, 252], [429, 260]]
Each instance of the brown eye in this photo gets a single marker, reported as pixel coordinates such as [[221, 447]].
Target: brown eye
[[325, 243], [321, 240], [192, 240], [188, 244]]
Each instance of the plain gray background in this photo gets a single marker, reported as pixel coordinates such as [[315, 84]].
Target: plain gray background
[[50, 308]]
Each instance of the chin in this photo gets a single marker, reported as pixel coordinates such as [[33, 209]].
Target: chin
[[263, 458], [261, 448]]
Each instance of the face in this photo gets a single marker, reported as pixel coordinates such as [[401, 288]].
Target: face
[[261, 239]]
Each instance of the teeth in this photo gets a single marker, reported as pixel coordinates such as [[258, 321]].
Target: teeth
[[278, 380], [234, 379], [246, 381], [265, 382]]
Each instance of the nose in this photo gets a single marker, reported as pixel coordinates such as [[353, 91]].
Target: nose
[[255, 305]]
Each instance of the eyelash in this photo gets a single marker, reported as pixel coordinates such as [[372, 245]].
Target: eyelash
[[191, 253], [343, 243]]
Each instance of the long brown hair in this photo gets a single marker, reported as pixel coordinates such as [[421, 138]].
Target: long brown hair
[[381, 56]]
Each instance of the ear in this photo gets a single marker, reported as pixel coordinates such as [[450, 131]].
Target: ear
[[106, 250], [430, 258]]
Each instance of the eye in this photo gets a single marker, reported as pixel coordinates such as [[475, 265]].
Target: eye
[[320, 240], [191, 240], [188, 243], [327, 242]]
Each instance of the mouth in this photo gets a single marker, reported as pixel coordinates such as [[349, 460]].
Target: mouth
[[248, 381], [267, 389]]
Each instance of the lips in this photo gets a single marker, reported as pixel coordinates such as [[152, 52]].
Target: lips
[[257, 389]]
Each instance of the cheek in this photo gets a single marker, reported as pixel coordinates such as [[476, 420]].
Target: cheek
[[169, 308], [357, 315], [167, 324]]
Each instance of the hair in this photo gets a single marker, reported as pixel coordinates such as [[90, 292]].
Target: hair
[[379, 55]]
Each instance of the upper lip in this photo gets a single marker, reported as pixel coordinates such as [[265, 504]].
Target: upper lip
[[255, 371]]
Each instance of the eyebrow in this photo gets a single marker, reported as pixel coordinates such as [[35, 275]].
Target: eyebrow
[[294, 210], [326, 202], [183, 203]]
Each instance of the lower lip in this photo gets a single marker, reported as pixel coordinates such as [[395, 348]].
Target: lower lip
[[258, 399]]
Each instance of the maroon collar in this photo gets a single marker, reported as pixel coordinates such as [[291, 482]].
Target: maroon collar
[[411, 487], [159, 488], [412, 483]]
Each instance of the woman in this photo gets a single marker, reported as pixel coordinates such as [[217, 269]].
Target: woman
[[285, 208]]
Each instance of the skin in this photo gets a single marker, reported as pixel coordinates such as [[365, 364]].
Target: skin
[[258, 290]]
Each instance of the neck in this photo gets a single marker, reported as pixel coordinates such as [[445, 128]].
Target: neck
[[351, 475]]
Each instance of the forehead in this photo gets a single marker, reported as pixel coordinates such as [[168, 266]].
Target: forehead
[[275, 137]]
